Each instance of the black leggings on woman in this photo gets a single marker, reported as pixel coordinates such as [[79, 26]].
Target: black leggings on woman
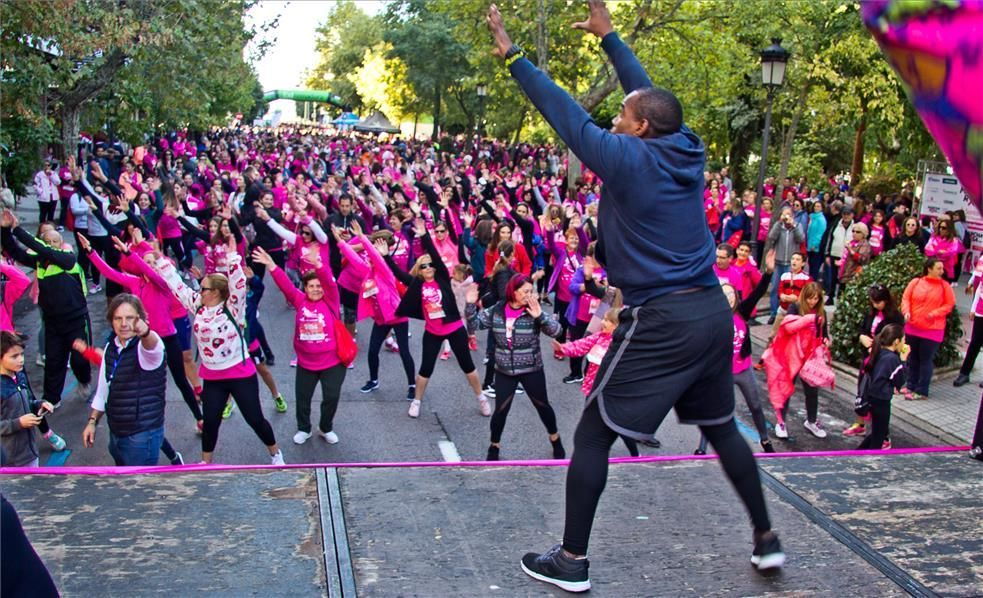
[[175, 363], [535, 385], [588, 474], [177, 250], [378, 337], [431, 348], [560, 311], [811, 394], [331, 380], [880, 422], [245, 391]]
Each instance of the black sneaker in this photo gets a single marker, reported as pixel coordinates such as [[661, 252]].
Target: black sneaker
[[411, 393], [489, 391], [558, 451], [573, 379], [492, 453], [556, 568], [271, 360], [960, 380], [652, 442], [768, 553], [369, 386], [766, 445]]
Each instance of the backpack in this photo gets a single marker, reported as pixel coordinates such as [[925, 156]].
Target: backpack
[[861, 404]]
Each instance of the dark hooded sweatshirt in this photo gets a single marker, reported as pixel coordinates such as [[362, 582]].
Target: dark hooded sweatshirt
[[652, 230]]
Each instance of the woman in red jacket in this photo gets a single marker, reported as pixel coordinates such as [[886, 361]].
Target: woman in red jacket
[[925, 304]]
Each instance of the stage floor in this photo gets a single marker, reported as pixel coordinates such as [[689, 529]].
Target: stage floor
[[861, 526]]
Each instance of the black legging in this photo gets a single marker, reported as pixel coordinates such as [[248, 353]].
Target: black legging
[[58, 339], [378, 337], [560, 311], [431, 348], [175, 363], [490, 356], [975, 343], [978, 433], [245, 391], [880, 421], [46, 211], [331, 380], [177, 250], [88, 270], [811, 394], [588, 474], [577, 332], [534, 384]]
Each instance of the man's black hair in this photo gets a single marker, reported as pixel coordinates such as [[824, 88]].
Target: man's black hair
[[660, 108]]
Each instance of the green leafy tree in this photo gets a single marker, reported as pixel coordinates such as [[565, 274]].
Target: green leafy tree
[[424, 41], [342, 42], [894, 269], [131, 63]]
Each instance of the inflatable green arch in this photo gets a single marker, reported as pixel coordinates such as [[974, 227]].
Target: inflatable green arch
[[305, 95]]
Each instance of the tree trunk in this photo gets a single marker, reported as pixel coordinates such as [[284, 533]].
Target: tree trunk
[[436, 114], [573, 173], [857, 166], [542, 48], [789, 140], [416, 120], [70, 129]]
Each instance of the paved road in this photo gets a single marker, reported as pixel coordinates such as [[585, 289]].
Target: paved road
[[375, 427]]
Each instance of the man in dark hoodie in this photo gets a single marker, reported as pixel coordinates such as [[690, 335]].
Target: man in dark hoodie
[[61, 297], [673, 346]]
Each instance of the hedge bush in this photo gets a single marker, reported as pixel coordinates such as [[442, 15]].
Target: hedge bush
[[894, 269]]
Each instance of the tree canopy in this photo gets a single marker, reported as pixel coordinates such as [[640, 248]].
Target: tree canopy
[[128, 65]]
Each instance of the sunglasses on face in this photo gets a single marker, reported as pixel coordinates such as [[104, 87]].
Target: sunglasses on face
[[440, 232], [426, 266]]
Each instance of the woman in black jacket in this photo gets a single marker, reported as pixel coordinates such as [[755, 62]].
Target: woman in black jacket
[[883, 311], [516, 322], [430, 297], [911, 232]]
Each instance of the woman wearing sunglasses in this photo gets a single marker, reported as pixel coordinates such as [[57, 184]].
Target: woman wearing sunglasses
[[430, 297], [944, 245]]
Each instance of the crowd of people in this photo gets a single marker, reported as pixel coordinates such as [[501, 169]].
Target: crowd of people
[[352, 228]]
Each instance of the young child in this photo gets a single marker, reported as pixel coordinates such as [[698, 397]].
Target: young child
[[887, 370], [461, 281], [594, 347], [20, 411]]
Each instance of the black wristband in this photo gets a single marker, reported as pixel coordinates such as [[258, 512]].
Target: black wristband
[[515, 49]]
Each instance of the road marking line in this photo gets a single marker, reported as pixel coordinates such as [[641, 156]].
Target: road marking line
[[449, 451]]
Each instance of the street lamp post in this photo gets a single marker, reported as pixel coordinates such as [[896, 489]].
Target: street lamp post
[[773, 59]]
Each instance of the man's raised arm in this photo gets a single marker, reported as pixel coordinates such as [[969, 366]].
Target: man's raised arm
[[599, 149], [630, 71]]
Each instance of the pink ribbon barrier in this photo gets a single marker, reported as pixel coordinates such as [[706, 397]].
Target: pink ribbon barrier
[[112, 470]]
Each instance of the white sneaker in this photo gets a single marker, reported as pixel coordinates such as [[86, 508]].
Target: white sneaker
[[277, 459], [329, 437], [816, 428], [484, 406], [414, 410], [301, 437], [781, 431], [94, 289]]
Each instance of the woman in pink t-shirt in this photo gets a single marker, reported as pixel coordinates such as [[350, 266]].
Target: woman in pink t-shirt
[[316, 309], [430, 297]]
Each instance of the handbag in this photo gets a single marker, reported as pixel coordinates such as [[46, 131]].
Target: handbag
[[345, 344], [817, 371]]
